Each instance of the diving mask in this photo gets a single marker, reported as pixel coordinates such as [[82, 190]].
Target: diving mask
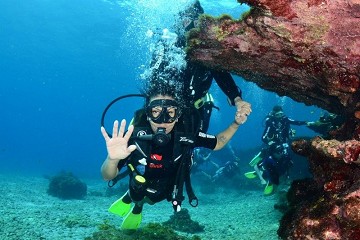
[[279, 114], [163, 111]]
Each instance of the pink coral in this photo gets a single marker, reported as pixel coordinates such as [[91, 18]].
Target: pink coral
[[307, 50], [348, 151]]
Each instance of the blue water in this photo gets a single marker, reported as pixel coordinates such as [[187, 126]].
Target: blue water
[[62, 62]]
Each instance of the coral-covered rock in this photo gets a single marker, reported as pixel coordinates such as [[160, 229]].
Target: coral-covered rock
[[67, 186], [308, 50], [327, 206], [181, 221], [347, 151]]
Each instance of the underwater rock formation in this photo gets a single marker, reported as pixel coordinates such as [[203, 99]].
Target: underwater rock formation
[[308, 50], [327, 206], [181, 221], [151, 231], [66, 186]]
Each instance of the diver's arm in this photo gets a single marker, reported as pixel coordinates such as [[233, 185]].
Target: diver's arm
[[224, 137], [267, 131], [109, 169], [117, 148], [265, 135], [227, 84], [295, 122]]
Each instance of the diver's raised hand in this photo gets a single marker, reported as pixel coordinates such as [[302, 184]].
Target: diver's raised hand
[[117, 145], [243, 110]]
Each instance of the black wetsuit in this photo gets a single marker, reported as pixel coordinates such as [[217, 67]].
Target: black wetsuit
[[162, 165], [277, 130], [277, 136], [276, 163], [197, 82]]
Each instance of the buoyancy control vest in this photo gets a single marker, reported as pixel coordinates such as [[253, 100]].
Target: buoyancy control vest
[[183, 138]]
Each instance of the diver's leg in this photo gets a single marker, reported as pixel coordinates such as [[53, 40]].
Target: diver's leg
[[205, 112]]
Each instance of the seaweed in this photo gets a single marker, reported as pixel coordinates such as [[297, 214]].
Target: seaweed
[[151, 231], [181, 221]]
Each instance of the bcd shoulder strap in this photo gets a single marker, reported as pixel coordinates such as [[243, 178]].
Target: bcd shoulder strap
[[187, 140]]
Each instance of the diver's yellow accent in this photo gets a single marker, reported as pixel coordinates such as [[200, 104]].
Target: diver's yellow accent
[[131, 122], [132, 221], [251, 175], [131, 167], [256, 159], [140, 179], [120, 208], [269, 189], [201, 101]]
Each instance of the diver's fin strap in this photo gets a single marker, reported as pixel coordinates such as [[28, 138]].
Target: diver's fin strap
[[193, 200], [183, 173], [177, 194], [183, 178]]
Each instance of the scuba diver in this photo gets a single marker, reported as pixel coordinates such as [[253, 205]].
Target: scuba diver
[[169, 57], [157, 150], [202, 163], [196, 78], [327, 123], [229, 170], [277, 135], [275, 163], [278, 127]]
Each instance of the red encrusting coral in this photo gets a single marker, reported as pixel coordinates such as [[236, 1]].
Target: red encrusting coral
[[308, 50], [327, 206]]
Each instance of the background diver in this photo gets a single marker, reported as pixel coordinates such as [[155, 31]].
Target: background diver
[[275, 163], [212, 171], [327, 123], [274, 159]]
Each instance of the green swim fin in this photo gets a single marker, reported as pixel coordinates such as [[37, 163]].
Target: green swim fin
[[256, 159], [251, 175], [120, 208], [269, 189], [132, 221]]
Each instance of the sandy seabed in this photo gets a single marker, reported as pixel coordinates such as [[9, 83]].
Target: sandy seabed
[[28, 212]]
